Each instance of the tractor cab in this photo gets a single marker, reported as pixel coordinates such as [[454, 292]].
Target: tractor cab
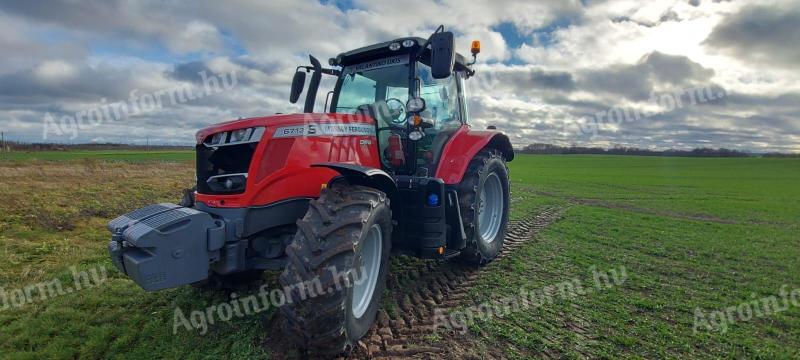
[[412, 87]]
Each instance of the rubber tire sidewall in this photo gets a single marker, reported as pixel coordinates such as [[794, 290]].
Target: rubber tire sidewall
[[485, 252]]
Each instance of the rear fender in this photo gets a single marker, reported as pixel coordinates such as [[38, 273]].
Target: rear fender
[[463, 146]]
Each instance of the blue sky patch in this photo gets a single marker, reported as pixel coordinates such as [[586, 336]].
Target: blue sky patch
[[511, 34]]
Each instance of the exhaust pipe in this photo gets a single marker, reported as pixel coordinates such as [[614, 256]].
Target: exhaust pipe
[[313, 86]]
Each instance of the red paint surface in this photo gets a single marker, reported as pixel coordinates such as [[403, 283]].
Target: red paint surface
[[284, 171], [457, 154]]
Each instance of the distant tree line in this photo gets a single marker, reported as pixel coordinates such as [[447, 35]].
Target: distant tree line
[[537, 148], [622, 150], [20, 146], [781, 155]]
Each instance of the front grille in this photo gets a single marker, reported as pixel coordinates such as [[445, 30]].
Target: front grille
[[213, 163]]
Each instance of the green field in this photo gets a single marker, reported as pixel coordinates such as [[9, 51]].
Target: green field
[[691, 233], [116, 155]]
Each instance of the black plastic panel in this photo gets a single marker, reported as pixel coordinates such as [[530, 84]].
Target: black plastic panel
[[421, 229], [234, 159]]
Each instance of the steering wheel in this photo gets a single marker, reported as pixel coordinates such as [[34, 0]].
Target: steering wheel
[[396, 113]]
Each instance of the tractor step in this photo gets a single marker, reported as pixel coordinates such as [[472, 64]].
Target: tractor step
[[449, 254]]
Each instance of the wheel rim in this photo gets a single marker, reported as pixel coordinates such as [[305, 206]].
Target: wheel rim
[[490, 213], [371, 265]]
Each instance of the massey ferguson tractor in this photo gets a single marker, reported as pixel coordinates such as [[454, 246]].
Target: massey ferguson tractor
[[390, 165]]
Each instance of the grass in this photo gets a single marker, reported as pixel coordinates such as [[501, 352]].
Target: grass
[[114, 155], [691, 233], [705, 233], [53, 217]]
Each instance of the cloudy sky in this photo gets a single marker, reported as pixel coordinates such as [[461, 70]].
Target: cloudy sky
[[654, 74]]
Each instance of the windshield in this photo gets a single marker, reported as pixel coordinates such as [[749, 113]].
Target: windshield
[[441, 98], [382, 88], [368, 87], [360, 88], [443, 108]]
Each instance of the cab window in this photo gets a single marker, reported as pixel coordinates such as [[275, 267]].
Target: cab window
[[441, 98]]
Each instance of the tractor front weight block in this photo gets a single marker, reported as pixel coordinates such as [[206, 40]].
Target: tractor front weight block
[[165, 245]]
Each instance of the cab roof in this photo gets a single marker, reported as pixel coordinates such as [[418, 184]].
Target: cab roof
[[382, 50]]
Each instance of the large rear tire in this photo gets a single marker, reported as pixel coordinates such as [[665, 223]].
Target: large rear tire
[[484, 198], [336, 273]]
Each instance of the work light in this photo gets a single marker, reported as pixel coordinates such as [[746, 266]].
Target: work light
[[240, 135]]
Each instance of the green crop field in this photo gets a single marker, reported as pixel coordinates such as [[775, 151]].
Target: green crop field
[[119, 155], [691, 235]]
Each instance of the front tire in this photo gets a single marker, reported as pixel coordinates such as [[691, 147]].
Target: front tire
[[336, 273], [484, 199]]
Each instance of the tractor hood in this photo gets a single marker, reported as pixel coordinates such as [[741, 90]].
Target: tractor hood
[[283, 121], [263, 160]]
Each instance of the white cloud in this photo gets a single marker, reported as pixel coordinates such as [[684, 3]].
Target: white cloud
[[577, 60], [55, 71], [196, 36]]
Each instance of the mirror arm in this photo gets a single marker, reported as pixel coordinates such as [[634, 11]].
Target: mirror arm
[[428, 42], [309, 69], [470, 73], [316, 76], [332, 72]]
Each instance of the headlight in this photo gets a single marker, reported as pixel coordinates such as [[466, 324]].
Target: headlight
[[240, 135], [218, 138], [227, 182], [415, 105], [394, 46], [409, 43], [235, 137], [416, 135]]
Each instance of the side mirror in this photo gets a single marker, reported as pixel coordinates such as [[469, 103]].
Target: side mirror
[[443, 54], [298, 82], [416, 105]]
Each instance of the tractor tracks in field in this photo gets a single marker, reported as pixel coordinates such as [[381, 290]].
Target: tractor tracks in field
[[406, 327]]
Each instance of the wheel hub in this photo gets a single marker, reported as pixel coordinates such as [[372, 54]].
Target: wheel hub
[[490, 211], [364, 288]]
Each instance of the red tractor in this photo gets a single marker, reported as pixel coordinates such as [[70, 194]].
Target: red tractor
[[391, 166]]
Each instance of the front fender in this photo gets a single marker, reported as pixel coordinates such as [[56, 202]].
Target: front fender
[[463, 146], [363, 175]]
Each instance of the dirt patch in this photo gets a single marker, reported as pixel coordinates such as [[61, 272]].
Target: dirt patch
[[416, 288], [406, 328]]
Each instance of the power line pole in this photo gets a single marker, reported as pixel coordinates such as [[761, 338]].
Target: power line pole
[[2, 141]]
